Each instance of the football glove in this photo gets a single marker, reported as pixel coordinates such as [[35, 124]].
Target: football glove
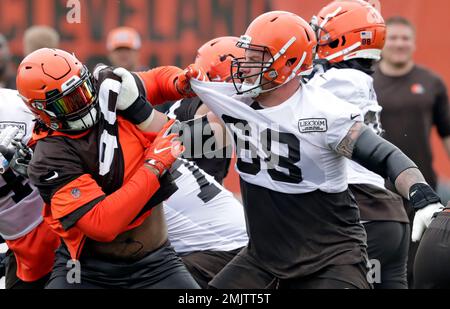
[[21, 159], [165, 149], [426, 203], [423, 218], [183, 81], [129, 91], [7, 149]]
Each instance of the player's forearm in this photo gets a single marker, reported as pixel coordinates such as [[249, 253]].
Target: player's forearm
[[378, 155], [154, 123], [159, 84], [407, 179], [111, 216]]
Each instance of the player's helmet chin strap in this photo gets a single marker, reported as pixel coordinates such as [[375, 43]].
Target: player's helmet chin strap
[[255, 89]]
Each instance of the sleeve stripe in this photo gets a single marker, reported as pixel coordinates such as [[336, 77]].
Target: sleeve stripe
[[71, 219]]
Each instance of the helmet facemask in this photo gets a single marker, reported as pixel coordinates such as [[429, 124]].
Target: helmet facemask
[[269, 67], [238, 64]]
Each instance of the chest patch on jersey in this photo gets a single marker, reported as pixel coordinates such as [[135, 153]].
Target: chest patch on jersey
[[21, 125], [313, 125]]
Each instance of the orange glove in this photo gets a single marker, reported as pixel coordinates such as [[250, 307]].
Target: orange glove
[[164, 150], [183, 81]]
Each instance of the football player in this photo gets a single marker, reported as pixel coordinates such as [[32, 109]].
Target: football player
[[214, 58], [206, 223], [430, 268], [292, 140], [101, 178], [31, 242], [351, 35]]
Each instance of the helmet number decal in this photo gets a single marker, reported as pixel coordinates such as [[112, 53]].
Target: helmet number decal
[[366, 41]]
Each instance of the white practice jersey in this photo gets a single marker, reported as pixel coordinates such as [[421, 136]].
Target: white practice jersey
[[355, 87], [289, 148], [202, 215], [20, 202]]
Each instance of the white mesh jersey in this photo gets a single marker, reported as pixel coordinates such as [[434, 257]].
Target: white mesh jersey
[[289, 148], [20, 202], [202, 215], [355, 87]]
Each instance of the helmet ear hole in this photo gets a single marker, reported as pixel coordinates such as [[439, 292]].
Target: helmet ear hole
[[290, 62], [223, 58], [334, 44]]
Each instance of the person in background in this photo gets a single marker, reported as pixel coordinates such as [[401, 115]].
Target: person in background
[[37, 37], [7, 78], [413, 100], [123, 45]]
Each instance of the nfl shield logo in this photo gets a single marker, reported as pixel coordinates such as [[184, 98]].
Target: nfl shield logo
[[76, 193]]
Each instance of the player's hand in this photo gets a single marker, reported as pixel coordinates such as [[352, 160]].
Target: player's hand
[[22, 158], [165, 149], [423, 219], [7, 150], [183, 81], [129, 91]]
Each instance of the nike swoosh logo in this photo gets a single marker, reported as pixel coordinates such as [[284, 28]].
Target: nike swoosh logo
[[55, 175], [353, 117], [158, 151], [413, 193]]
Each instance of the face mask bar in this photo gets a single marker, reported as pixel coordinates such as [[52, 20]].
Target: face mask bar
[[256, 88], [264, 66]]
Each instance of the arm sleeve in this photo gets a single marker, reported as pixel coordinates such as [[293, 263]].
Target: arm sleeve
[[110, 216], [441, 111], [187, 109], [159, 84], [83, 204]]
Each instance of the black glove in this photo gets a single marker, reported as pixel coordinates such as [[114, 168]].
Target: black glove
[[21, 159]]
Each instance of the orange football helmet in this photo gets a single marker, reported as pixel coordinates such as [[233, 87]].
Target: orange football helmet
[[349, 30], [215, 57], [58, 89], [287, 39]]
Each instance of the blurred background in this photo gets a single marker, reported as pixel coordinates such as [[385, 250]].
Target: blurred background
[[172, 30]]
